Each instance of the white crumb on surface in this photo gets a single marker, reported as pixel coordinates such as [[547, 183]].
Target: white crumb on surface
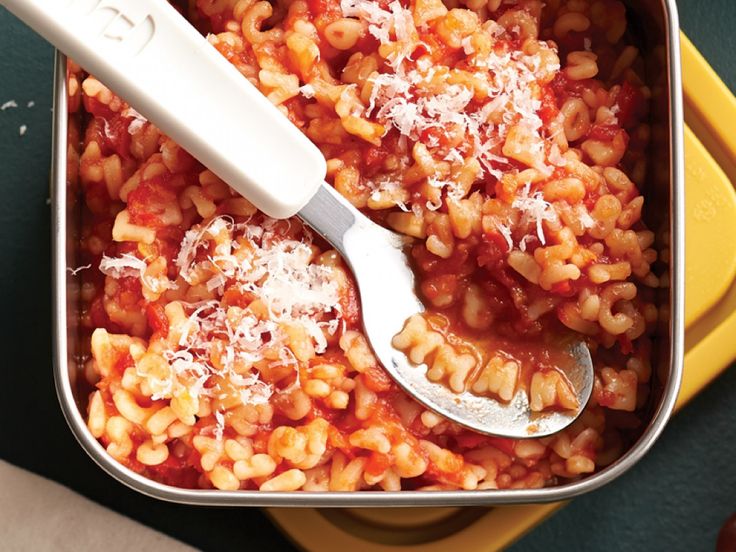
[[74, 271], [22, 130], [8, 105], [307, 91]]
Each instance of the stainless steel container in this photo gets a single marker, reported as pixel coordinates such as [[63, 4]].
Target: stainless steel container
[[657, 25]]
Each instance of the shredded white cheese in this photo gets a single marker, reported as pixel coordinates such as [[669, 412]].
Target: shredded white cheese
[[535, 209], [8, 105], [257, 261], [584, 215], [555, 156], [409, 100], [75, 271], [386, 185], [138, 120], [381, 22], [468, 46], [522, 242], [220, 425], [421, 101], [126, 265], [307, 91], [505, 231]]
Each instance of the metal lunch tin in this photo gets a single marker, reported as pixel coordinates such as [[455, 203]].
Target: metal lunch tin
[[655, 23]]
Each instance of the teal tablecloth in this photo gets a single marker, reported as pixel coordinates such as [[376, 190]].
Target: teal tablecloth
[[675, 499]]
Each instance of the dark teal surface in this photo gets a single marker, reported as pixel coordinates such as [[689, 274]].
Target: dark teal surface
[[674, 499]]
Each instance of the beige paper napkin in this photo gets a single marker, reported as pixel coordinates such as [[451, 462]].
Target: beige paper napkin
[[38, 515]]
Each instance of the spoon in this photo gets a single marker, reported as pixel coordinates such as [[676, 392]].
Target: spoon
[[160, 64]]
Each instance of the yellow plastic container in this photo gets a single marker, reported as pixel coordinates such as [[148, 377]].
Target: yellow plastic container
[[710, 318]]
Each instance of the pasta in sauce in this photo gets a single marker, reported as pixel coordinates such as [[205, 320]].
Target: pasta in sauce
[[506, 137]]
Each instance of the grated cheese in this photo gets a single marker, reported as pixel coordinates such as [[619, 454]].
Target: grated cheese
[[505, 231], [453, 191], [498, 127], [220, 425], [409, 100], [22, 130], [138, 120], [75, 271], [381, 22], [307, 91], [522, 243], [253, 259], [555, 156], [418, 99], [386, 184], [467, 45], [584, 215], [128, 265], [535, 209], [8, 105]]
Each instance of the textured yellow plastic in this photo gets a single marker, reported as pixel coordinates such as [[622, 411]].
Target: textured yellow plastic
[[710, 318], [710, 218], [710, 296]]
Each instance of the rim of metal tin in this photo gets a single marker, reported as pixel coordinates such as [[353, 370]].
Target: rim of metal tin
[[373, 498]]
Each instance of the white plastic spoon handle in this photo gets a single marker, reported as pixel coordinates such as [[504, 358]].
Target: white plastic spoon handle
[[145, 51]]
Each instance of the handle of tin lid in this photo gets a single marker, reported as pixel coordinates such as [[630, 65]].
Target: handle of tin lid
[[154, 59]]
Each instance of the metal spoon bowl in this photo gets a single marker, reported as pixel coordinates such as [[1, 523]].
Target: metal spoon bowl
[[388, 298]]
